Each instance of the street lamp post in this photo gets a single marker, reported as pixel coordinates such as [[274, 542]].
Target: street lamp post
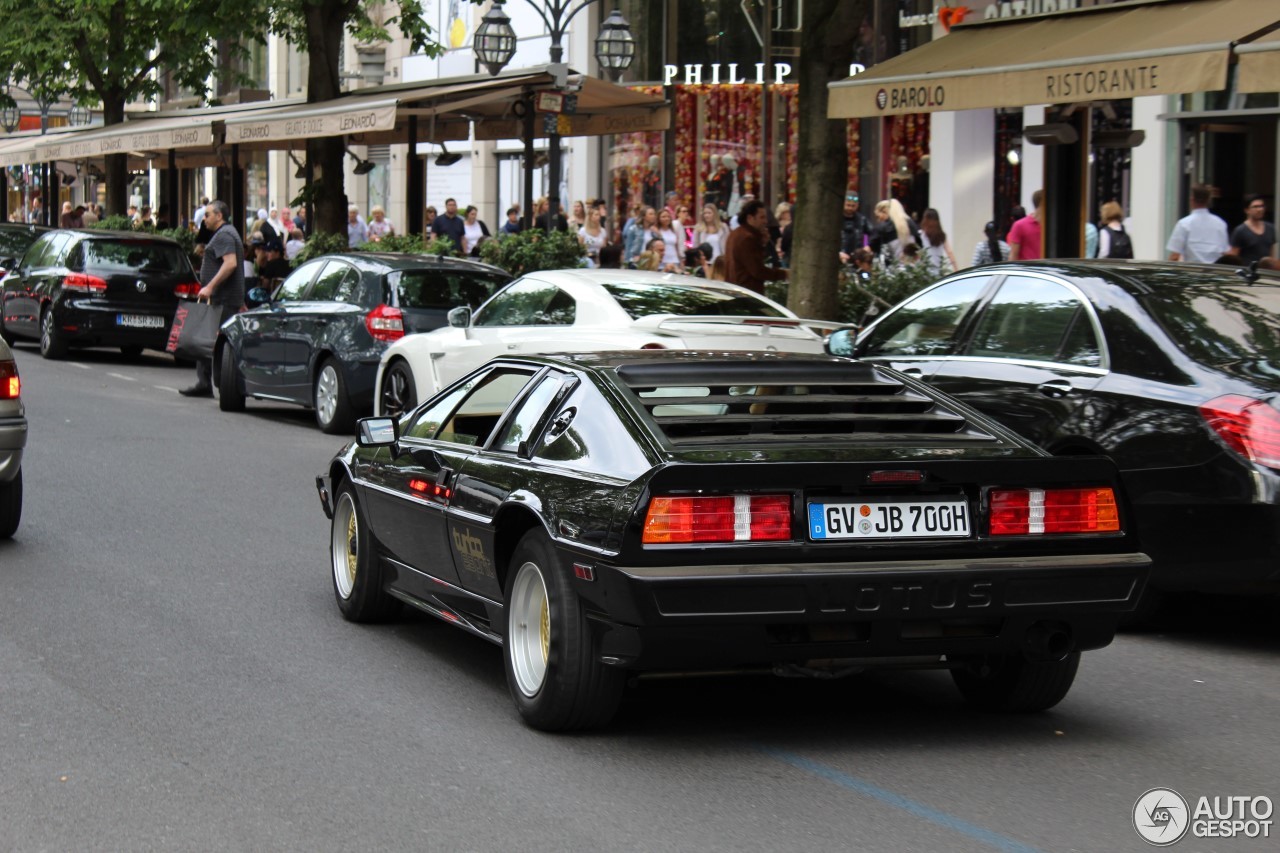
[[615, 49]]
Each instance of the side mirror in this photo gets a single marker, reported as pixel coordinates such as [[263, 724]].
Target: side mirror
[[841, 342], [258, 296], [376, 432], [460, 317], [9, 264]]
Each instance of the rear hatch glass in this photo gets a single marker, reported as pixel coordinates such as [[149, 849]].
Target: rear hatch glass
[[642, 300], [1230, 327], [136, 271], [427, 296]]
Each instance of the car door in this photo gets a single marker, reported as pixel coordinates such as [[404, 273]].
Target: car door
[[528, 316], [34, 284], [308, 322], [262, 347], [918, 334], [1033, 357]]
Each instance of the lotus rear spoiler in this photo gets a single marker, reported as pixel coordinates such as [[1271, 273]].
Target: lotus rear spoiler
[[746, 323]]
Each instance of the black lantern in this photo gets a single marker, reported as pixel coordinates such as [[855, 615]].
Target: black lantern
[[495, 41], [78, 116], [615, 46], [10, 115]]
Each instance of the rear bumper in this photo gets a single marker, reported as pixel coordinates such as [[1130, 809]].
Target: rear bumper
[[13, 437], [87, 322], [701, 617]]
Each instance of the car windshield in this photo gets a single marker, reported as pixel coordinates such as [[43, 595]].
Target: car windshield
[[1218, 326], [443, 288], [642, 300], [134, 255]]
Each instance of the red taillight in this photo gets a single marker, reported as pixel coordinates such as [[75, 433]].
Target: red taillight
[[727, 518], [652, 346], [385, 323], [81, 283], [10, 384], [1249, 427], [190, 290], [1021, 512]]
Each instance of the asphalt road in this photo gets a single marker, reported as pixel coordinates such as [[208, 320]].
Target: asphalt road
[[174, 675]]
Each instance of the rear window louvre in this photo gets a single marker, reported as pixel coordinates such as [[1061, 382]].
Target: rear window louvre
[[745, 403]]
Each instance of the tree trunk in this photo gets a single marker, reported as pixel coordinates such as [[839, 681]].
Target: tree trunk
[[325, 24], [117, 165], [826, 50]]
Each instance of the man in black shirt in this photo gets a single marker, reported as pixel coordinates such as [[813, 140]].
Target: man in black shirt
[[450, 225], [1254, 239], [855, 229], [271, 263]]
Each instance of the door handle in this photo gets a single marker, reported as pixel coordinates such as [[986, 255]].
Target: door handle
[[1055, 388], [513, 346], [913, 372]]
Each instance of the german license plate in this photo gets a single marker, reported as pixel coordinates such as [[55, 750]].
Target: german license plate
[[140, 321], [905, 519]]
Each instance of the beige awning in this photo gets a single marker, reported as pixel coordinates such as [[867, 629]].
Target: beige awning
[[1259, 69], [139, 133], [18, 150], [1160, 47]]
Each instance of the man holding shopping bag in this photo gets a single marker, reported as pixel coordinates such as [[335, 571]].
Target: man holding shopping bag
[[222, 274]]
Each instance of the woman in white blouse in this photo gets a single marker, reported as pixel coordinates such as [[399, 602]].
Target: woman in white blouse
[[673, 240], [473, 230], [712, 231], [592, 236]]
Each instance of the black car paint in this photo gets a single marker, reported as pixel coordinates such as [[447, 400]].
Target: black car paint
[[1209, 519], [665, 606], [280, 345], [36, 286]]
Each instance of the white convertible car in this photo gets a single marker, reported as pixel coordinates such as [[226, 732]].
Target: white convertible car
[[592, 310]]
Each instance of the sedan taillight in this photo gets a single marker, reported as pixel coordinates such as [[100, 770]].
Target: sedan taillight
[[1249, 427], [1022, 512], [724, 518], [187, 290], [78, 282], [10, 384], [385, 323]]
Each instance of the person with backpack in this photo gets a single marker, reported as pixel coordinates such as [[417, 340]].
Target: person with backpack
[[1113, 240]]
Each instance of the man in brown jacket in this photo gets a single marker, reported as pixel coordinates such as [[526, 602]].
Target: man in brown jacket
[[744, 250]]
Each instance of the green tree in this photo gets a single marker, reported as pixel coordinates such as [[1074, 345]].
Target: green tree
[[106, 51], [317, 27], [826, 51]]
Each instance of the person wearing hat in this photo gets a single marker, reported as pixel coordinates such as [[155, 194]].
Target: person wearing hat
[[270, 261], [991, 250], [855, 230]]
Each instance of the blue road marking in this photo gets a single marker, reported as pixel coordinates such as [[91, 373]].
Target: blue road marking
[[844, 780]]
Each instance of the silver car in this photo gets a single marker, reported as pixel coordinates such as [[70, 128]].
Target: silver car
[[13, 437]]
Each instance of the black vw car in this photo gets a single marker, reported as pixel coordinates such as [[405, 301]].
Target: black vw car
[[316, 341], [1172, 370], [96, 288], [606, 515]]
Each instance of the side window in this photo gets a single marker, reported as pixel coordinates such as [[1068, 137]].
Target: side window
[[44, 251], [293, 287], [337, 283], [593, 440], [528, 303], [63, 242], [479, 414], [1030, 318], [522, 425], [426, 423], [927, 324]]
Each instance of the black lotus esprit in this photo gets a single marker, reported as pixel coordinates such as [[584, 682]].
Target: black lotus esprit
[[604, 515]]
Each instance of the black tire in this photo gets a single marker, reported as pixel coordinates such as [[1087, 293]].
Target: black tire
[[399, 393], [52, 344], [186, 363], [230, 384], [553, 674], [335, 419], [131, 351], [10, 505], [6, 335], [1013, 684], [355, 570]]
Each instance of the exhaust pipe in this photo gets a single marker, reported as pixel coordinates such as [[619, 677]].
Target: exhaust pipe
[[1048, 641]]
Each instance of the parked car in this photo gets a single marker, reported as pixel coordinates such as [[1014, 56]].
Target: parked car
[[317, 339], [96, 288], [13, 438], [1172, 370], [602, 515], [588, 310]]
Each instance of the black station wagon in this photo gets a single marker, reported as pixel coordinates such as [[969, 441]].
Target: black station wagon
[[606, 515], [316, 341]]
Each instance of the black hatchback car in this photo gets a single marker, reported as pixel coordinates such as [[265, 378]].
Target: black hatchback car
[[96, 288], [1172, 370], [316, 341], [602, 515]]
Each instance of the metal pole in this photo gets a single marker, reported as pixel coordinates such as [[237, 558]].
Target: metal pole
[[528, 161], [237, 191], [553, 145], [172, 195], [416, 191]]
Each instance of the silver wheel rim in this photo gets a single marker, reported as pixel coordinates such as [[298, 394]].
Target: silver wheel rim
[[46, 331], [529, 629], [345, 546], [394, 400], [327, 393]]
